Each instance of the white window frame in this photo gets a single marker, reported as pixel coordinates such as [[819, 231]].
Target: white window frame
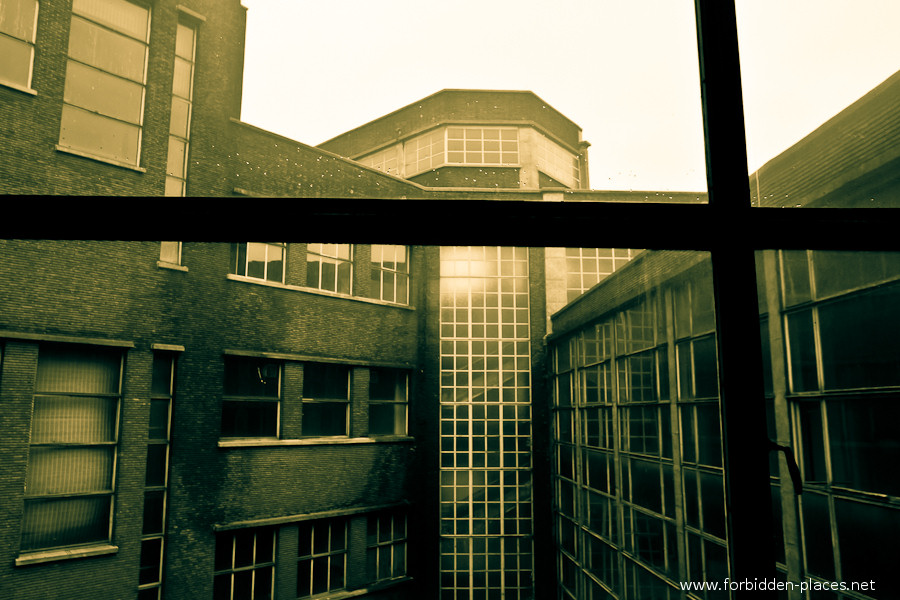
[[329, 254], [29, 40], [377, 267], [242, 267]]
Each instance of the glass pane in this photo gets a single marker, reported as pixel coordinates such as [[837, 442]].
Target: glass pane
[[157, 464], [104, 49], [324, 418], [15, 61], [184, 42], [169, 252], [182, 78], [51, 523], [180, 120], [249, 419], [99, 135], [326, 381], [63, 470], [106, 94], [154, 512], [122, 16], [174, 186], [175, 164], [78, 369], [73, 420], [251, 377], [17, 18], [151, 559]]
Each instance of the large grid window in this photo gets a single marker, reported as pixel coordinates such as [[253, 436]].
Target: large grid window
[[386, 546], [388, 394], [629, 492], [424, 152], [70, 481], [482, 145], [390, 273], [558, 163], [387, 160], [18, 25], [245, 565], [103, 100], [321, 557], [326, 399], [585, 267], [330, 267], [485, 423], [259, 260], [157, 477], [252, 399], [180, 115]]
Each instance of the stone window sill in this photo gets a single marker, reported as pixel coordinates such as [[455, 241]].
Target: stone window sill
[[323, 441], [34, 558]]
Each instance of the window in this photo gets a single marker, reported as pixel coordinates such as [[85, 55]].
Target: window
[[329, 267], [424, 152], [587, 266], [321, 557], [390, 273], [387, 402], [557, 162], [387, 160], [170, 252], [326, 399], [259, 260], [156, 484], [482, 145], [386, 546], [180, 118], [103, 107], [18, 24], [250, 407], [245, 565], [69, 487]]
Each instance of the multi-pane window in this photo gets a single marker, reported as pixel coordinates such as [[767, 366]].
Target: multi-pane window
[[485, 423], [587, 266], [390, 273], [558, 163], [251, 401], [156, 483], [70, 481], [103, 101], [245, 565], [170, 252], [329, 267], [424, 152], [326, 399], [387, 160], [259, 260], [386, 546], [18, 24], [321, 557], [482, 145], [387, 401], [180, 117]]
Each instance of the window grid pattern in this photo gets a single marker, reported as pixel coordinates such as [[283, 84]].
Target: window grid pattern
[[157, 482], [103, 100], [259, 260], [386, 546], [18, 26], [245, 565], [70, 481], [424, 152], [616, 477], [485, 425], [585, 267], [390, 273], [180, 115], [482, 146], [839, 318], [330, 267], [557, 162], [387, 160], [322, 557], [251, 404]]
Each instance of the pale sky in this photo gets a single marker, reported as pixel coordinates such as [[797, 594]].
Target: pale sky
[[623, 70]]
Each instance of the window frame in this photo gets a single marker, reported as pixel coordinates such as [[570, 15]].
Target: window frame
[[89, 150], [233, 570], [308, 400], [251, 398], [378, 268], [318, 250], [393, 541], [404, 402], [328, 555], [240, 263], [31, 43]]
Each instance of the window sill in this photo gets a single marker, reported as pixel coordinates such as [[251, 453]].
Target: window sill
[[19, 88], [319, 441], [167, 265], [108, 161], [34, 558], [375, 587], [316, 292]]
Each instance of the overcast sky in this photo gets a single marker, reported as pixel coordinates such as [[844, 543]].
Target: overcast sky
[[623, 70]]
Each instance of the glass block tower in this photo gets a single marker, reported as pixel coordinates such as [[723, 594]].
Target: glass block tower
[[485, 424]]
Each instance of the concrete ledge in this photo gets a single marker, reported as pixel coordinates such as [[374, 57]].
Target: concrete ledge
[[319, 441], [33, 558]]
